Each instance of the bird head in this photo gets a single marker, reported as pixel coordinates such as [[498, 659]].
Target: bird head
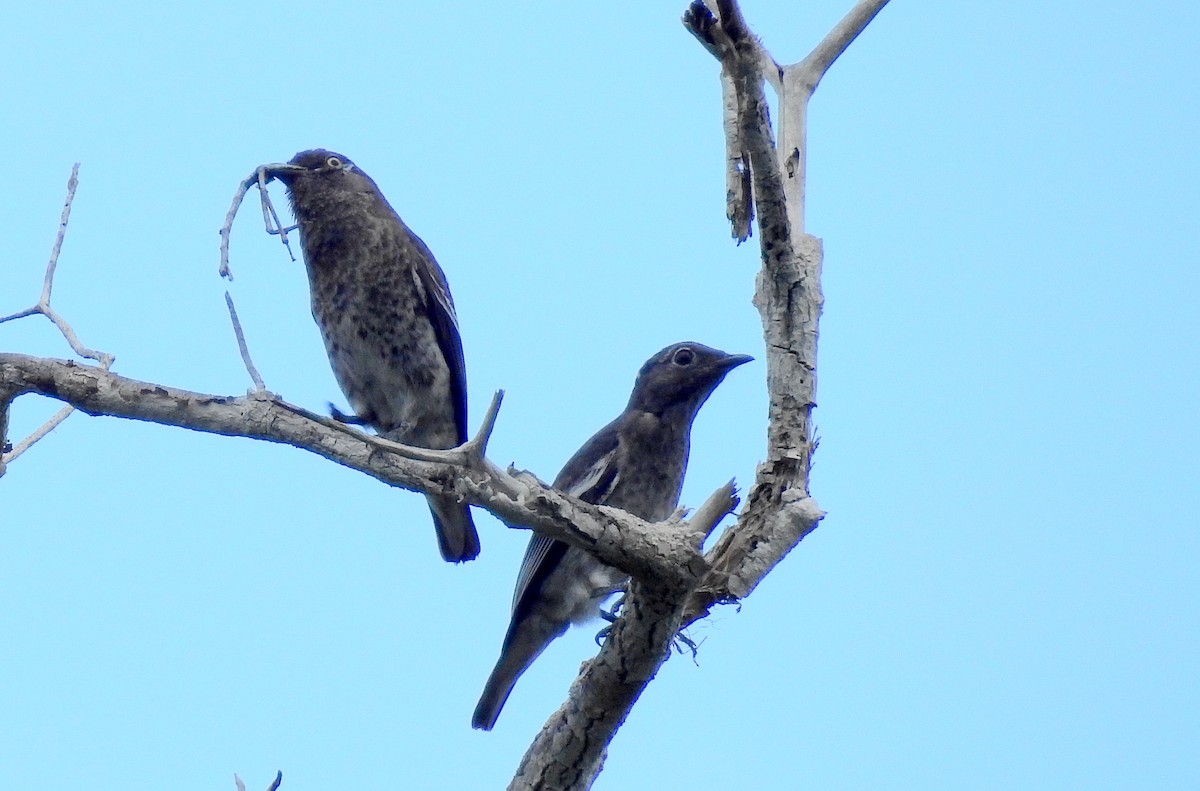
[[318, 176], [681, 377]]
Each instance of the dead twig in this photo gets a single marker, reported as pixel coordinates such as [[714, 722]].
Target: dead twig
[[44, 308], [255, 376], [270, 217]]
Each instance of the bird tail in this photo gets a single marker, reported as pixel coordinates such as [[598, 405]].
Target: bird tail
[[495, 695], [456, 534], [525, 641]]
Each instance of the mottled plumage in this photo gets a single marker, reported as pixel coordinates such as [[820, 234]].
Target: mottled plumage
[[635, 463], [386, 315]]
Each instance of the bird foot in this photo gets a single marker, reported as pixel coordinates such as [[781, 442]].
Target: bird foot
[[681, 641], [611, 616]]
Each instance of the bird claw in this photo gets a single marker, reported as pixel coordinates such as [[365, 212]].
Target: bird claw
[[611, 616], [691, 645]]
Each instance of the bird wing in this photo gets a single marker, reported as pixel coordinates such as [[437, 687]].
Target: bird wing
[[541, 557], [589, 475], [440, 305]]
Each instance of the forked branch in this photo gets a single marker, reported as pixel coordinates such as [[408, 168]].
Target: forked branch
[[44, 307], [780, 511]]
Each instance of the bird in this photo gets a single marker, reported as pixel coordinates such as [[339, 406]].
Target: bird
[[635, 463], [385, 313]]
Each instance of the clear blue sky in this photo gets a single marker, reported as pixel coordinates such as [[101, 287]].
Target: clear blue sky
[[1005, 593]]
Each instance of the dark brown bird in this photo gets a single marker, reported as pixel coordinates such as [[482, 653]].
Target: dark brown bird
[[384, 309], [635, 463]]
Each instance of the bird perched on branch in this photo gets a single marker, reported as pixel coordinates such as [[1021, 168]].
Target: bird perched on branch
[[385, 312], [635, 463]]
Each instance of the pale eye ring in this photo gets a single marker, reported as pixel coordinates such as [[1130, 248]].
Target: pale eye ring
[[684, 357], [333, 162]]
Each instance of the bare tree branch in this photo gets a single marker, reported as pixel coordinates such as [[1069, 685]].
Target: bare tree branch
[[517, 498], [700, 19], [794, 84], [739, 198], [835, 43], [780, 511]]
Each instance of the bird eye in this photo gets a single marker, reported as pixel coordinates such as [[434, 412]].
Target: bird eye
[[333, 162], [684, 357]]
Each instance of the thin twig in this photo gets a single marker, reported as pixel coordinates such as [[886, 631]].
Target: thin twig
[[469, 453], [68, 332], [242, 348], [241, 786], [20, 314], [104, 358], [40, 432], [227, 228], [451, 456], [270, 216], [43, 304], [477, 447], [48, 282], [273, 226]]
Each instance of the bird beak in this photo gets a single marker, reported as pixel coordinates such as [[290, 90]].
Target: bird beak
[[734, 360], [283, 171]]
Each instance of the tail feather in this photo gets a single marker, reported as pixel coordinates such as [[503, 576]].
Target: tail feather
[[524, 643], [456, 534], [495, 695]]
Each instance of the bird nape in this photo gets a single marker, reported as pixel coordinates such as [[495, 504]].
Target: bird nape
[[385, 312], [635, 463]]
